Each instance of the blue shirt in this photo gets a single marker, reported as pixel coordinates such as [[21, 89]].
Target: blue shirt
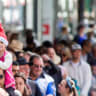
[[46, 85]]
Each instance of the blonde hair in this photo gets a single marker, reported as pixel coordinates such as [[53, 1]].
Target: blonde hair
[[67, 52]]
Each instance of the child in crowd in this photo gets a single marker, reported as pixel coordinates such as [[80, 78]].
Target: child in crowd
[[6, 63]]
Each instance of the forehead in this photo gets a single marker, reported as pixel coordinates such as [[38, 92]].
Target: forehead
[[38, 61], [77, 50], [51, 50], [26, 65], [19, 79], [17, 67]]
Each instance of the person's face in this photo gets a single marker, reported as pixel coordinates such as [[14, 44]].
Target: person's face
[[25, 69], [88, 48], [94, 70], [51, 53], [76, 54], [2, 47], [15, 69], [2, 78], [93, 93], [81, 32], [62, 88], [21, 54], [37, 67], [58, 48], [20, 84]]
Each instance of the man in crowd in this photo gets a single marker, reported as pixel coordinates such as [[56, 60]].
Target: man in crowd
[[86, 49], [15, 67], [79, 70], [24, 66], [44, 81]]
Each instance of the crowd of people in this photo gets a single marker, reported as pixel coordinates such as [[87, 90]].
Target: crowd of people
[[65, 67]]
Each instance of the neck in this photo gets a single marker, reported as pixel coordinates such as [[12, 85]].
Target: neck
[[33, 77], [75, 60]]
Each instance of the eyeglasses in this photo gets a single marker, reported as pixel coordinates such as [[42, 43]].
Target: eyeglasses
[[1, 76], [15, 70], [37, 66]]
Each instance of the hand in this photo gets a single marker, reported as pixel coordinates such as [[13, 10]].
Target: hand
[[72, 83], [45, 57], [62, 88]]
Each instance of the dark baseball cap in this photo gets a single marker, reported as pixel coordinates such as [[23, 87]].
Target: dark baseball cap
[[22, 61]]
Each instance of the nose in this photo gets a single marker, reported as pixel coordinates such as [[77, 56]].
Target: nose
[[17, 86]]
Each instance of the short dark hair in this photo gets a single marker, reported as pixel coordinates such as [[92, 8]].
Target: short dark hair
[[22, 61], [85, 43], [32, 58], [64, 28], [47, 44], [80, 26]]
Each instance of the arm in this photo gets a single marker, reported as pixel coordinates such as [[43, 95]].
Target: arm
[[8, 61], [54, 66], [87, 82]]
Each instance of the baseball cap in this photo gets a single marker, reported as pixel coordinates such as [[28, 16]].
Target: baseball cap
[[76, 47], [22, 61]]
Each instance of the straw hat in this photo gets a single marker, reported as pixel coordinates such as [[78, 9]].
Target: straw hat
[[16, 46]]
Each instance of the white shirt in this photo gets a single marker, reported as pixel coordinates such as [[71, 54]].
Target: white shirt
[[82, 73]]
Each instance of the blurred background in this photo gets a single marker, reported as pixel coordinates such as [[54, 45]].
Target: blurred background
[[45, 17]]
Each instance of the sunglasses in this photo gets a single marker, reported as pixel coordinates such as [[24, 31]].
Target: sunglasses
[[1, 76]]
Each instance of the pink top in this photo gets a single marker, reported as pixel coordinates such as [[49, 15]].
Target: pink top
[[9, 79]]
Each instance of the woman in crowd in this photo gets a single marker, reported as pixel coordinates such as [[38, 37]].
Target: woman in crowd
[[65, 54], [21, 84], [65, 90]]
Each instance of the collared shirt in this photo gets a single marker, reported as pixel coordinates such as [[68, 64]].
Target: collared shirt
[[46, 84], [82, 73]]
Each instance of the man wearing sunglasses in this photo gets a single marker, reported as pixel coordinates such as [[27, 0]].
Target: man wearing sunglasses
[[44, 81]]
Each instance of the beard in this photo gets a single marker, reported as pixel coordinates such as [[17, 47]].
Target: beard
[[75, 58]]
